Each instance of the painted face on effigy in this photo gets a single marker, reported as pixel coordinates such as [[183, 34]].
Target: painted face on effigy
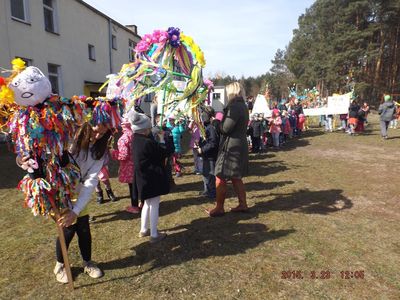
[[30, 87]]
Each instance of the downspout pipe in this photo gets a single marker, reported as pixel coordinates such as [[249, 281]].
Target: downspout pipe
[[110, 45]]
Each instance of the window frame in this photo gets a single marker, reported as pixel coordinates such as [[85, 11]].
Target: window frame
[[131, 50], [54, 14], [58, 75], [27, 19], [92, 54], [114, 43]]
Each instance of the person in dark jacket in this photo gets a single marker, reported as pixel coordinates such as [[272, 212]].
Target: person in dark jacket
[[208, 149], [353, 116], [150, 176], [233, 156], [257, 132], [169, 145], [298, 108], [387, 111]]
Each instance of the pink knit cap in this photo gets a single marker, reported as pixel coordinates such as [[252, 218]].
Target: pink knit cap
[[219, 115]]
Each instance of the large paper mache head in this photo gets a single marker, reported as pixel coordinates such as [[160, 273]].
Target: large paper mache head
[[30, 87]]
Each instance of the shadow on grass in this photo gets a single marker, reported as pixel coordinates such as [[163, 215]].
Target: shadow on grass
[[266, 168], [117, 215], [202, 238], [306, 201], [261, 186]]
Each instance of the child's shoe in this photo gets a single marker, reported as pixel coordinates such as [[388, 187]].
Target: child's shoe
[[133, 209], [110, 195], [99, 197], [92, 269], [160, 237], [144, 234], [61, 274]]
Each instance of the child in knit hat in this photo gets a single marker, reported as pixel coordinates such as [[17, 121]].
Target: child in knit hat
[[150, 177]]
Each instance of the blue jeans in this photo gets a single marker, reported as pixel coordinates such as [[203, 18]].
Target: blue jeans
[[209, 177]]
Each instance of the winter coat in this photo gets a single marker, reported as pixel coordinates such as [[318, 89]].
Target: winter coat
[[387, 111], [286, 125], [177, 131], [257, 128], [124, 155], [168, 138], [353, 110], [275, 125], [298, 108], [209, 145], [150, 177], [233, 156]]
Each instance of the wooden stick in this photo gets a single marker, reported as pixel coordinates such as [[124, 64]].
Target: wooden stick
[[64, 249]]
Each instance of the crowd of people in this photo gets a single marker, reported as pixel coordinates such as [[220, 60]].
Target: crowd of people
[[287, 120], [149, 150]]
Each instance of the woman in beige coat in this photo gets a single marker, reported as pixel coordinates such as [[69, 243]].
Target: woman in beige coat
[[232, 161]]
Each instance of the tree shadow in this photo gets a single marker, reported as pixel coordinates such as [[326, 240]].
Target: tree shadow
[[261, 186], [311, 133], [201, 238], [266, 168], [260, 156], [306, 201]]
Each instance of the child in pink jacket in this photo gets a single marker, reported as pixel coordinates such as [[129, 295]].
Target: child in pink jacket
[[275, 129], [124, 155]]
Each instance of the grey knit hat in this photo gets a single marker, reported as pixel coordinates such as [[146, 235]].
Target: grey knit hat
[[138, 121]]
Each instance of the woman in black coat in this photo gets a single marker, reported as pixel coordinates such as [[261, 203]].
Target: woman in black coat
[[150, 177], [232, 161]]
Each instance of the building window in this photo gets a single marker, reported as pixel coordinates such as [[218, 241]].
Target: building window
[[20, 10], [55, 78], [50, 16], [28, 61], [132, 46], [114, 42], [217, 96], [92, 54]]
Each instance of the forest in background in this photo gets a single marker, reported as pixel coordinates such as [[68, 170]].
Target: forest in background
[[339, 45]]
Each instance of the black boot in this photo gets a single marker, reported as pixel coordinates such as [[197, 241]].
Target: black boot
[[110, 195], [99, 197]]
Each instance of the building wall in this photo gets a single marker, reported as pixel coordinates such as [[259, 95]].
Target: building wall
[[78, 26]]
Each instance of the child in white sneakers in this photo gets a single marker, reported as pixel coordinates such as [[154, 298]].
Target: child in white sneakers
[[88, 152], [150, 176]]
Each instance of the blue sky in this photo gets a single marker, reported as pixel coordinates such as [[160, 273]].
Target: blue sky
[[237, 37]]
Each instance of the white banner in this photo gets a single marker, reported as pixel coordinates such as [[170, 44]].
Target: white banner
[[315, 111], [339, 104], [261, 106]]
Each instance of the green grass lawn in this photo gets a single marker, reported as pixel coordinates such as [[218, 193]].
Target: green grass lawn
[[326, 203]]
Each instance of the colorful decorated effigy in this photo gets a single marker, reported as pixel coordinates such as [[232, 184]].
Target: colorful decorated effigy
[[162, 58], [41, 126]]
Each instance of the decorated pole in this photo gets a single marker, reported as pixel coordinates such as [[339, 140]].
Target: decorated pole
[[161, 57], [64, 249]]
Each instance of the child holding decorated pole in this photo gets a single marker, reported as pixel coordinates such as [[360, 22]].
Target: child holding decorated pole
[[88, 152]]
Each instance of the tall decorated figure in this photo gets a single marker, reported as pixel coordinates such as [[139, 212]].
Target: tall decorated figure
[[49, 135]]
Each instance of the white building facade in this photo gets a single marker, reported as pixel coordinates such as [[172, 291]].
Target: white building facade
[[70, 41]]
